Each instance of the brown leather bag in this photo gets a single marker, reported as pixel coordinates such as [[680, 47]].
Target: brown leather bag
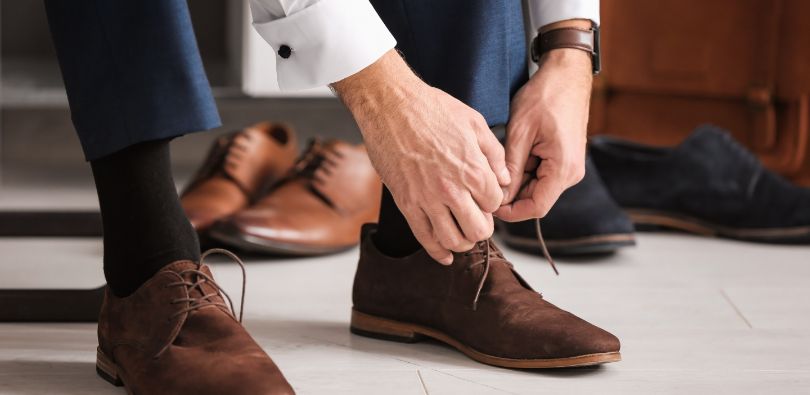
[[670, 65]]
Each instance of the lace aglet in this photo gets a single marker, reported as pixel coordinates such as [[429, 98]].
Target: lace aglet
[[554, 267]]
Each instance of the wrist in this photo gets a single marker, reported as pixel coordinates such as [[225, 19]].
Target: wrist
[[577, 34], [376, 86], [569, 58]]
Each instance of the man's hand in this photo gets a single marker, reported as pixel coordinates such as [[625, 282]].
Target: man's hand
[[442, 164], [546, 134]]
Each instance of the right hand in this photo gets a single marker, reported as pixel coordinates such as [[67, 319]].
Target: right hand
[[442, 164]]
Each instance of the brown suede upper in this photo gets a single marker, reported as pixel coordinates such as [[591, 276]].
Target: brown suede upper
[[509, 320], [160, 349]]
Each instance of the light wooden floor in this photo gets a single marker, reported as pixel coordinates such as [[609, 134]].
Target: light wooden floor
[[694, 315]]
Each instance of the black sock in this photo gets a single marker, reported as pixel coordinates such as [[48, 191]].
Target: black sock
[[145, 227], [394, 237]]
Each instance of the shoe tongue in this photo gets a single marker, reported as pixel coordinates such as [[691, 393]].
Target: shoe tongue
[[717, 145], [504, 278], [192, 276], [705, 135], [710, 139], [179, 266], [241, 162], [328, 192]]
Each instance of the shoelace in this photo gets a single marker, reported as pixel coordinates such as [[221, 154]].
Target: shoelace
[[309, 161], [195, 303], [485, 247]]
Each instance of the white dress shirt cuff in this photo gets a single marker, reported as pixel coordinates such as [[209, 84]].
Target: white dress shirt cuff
[[544, 12], [329, 41]]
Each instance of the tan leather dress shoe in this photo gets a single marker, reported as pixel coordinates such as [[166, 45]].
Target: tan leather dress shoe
[[318, 209], [479, 305], [176, 335], [239, 167]]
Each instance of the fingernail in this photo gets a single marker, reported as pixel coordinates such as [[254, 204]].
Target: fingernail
[[505, 194], [447, 261]]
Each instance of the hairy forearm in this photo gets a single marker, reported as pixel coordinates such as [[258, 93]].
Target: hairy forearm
[[379, 86]]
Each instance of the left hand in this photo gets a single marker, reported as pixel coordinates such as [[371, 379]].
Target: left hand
[[547, 134]]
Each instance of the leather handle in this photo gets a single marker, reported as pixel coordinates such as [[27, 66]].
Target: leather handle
[[763, 111], [790, 153]]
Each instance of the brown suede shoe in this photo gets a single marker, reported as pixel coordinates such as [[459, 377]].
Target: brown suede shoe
[[318, 209], [176, 335], [479, 305], [239, 167]]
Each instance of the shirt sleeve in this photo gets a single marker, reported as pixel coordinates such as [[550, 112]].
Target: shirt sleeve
[[544, 12], [318, 42]]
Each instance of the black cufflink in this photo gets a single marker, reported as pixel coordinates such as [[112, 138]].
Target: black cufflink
[[284, 51]]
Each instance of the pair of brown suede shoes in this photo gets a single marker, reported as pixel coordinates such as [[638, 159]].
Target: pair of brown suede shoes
[[177, 335], [252, 193]]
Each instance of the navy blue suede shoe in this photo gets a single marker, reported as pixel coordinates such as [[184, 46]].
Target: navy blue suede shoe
[[709, 184], [584, 221]]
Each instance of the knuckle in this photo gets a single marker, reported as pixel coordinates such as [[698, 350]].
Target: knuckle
[[462, 246], [447, 242], [482, 233], [455, 199], [422, 234], [446, 187], [478, 119], [492, 202]]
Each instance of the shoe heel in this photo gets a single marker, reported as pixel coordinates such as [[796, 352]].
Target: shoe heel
[[107, 370], [381, 328]]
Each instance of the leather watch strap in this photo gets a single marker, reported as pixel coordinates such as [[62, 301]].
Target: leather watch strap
[[568, 37]]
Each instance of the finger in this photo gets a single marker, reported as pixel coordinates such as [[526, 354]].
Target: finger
[[518, 147], [536, 199], [490, 222], [473, 222], [446, 231], [484, 189], [522, 208], [550, 185], [423, 231], [494, 152]]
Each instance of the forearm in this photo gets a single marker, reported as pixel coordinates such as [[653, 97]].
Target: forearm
[[380, 86]]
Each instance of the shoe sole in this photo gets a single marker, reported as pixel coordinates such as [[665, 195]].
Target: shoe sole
[[255, 244], [653, 220], [589, 245], [381, 328], [108, 370]]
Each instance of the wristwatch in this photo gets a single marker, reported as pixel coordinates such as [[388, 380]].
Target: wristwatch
[[569, 37]]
